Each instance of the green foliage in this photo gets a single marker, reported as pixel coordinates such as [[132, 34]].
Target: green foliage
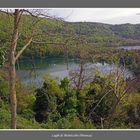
[[69, 104], [22, 123], [5, 118], [126, 30], [2, 56], [102, 96], [25, 100], [47, 100], [49, 125], [61, 112], [64, 123], [53, 86], [131, 60], [58, 105], [67, 123], [4, 93], [61, 32], [65, 84]]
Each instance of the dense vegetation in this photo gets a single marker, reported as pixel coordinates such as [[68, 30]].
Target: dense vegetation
[[101, 103], [58, 34], [98, 101]]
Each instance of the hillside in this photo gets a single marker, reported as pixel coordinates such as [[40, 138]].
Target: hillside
[[96, 34], [100, 32]]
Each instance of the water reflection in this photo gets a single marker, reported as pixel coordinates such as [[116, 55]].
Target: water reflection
[[57, 68], [130, 47]]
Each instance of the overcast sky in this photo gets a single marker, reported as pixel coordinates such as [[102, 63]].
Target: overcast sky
[[104, 15]]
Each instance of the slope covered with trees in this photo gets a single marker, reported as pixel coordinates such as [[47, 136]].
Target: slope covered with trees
[[97, 34]]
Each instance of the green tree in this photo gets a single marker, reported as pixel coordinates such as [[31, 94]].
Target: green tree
[[48, 98]]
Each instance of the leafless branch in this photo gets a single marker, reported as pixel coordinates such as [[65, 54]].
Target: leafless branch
[[6, 12], [99, 103], [23, 48], [42, 42]]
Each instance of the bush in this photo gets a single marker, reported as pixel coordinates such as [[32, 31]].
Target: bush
[[22, 123]]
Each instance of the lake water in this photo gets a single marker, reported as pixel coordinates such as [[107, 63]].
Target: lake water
[[130, 47], [57, 68]]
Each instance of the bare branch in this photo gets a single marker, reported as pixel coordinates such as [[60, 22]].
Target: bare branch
[[6, 12], [39, 13], [42, 42], [23, 48], [98, 103]]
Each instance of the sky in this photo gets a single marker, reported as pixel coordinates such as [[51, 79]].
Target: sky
[[103, 15]]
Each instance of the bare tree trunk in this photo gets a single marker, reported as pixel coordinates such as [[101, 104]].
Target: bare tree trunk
[[12, 70], [13, 57], [102, 123], [79, 84], [67, 58]]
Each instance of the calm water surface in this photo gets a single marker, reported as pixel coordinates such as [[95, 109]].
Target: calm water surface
[[130, 47], [57, 68]]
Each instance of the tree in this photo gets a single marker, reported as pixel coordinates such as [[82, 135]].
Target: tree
[[48, 98], [17, 16], [106, 93], [23, 34]]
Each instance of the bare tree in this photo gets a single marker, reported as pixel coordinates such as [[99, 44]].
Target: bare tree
[[13, 56], [116, 86], [82, 74]]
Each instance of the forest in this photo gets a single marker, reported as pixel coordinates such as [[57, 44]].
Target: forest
[[85, 99]]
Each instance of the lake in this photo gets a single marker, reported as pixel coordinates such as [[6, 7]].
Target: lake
[[57, 68], [130, 47]]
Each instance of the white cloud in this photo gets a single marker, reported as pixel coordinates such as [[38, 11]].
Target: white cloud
[[105, 15]]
